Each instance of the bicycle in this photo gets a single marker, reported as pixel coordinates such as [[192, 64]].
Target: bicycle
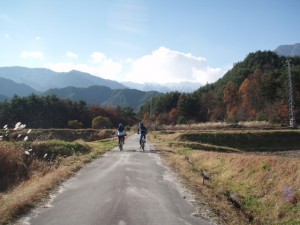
[[143, 141], [121, 143]]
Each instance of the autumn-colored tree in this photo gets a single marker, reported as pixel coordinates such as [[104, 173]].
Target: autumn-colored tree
[[162, 118], [146, 117], [249, 92], [116, 115], [173, 116], [217, 113], [278, 112], [231, 99]]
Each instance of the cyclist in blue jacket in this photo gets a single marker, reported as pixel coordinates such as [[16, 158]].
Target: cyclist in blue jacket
[[121, 133]]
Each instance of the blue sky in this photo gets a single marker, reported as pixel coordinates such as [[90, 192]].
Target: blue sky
[[144, 40]]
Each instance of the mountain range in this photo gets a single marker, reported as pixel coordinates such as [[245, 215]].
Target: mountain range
[[101, 95], [42, 79], [74, 85], [9, 88], [186, 87], [288, 50]]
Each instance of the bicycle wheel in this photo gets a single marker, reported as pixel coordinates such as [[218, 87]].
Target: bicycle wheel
[[143, 144], [121, 145]]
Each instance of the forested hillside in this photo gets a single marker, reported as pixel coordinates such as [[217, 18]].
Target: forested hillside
[[254, 89]]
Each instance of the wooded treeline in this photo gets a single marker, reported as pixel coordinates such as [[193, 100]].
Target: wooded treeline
[[53, 112], [254, 89]]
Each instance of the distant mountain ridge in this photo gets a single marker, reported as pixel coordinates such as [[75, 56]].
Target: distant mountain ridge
[[288, 50], [42, 79], [186, 87], [101, 95], [74, 85], [9, 88]]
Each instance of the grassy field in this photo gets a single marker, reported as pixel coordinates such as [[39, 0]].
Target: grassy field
[[30, 170], [237, 172]]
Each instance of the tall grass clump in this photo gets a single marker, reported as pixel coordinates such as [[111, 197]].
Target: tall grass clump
[[30, 169], [12, 169], [55, 148], [13, 159], [20, 158]]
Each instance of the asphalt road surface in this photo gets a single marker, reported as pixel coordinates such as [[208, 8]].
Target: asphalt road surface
[[128, 187]]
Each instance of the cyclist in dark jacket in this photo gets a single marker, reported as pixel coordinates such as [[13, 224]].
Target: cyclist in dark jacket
[[143, 131]]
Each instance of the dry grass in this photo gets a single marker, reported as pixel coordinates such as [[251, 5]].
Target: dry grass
[[10, 158], [24, 196], [43, 176], [268, 187], [220, 125], [63, 134]]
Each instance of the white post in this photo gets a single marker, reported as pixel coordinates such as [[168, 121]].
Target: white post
[[291, 98]]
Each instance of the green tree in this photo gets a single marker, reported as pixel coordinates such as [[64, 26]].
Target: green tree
[[188, 106]]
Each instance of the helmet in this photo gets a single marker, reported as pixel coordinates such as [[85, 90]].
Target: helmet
[[120, 125], [141, 124]]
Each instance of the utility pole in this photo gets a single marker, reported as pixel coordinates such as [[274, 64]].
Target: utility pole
[[291, 97]]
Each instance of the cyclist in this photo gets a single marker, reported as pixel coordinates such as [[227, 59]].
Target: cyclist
[[121, 133], [143, 131]]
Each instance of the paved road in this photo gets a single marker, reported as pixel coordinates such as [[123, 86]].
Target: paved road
[[122, 188]]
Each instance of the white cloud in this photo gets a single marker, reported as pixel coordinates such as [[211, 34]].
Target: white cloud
[[99, 65], [98, 57], [37, 38], [106, 66], [161, 66], [165, 65], [7, 36], [72, 55], [32, 54]]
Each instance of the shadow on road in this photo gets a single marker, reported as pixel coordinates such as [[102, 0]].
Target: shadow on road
[[151, 151], [141, 151]]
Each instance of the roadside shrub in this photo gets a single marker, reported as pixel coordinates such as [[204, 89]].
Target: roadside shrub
[[101, 122], [54, 148], [103, 134], [182, 120], [75, 124]]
